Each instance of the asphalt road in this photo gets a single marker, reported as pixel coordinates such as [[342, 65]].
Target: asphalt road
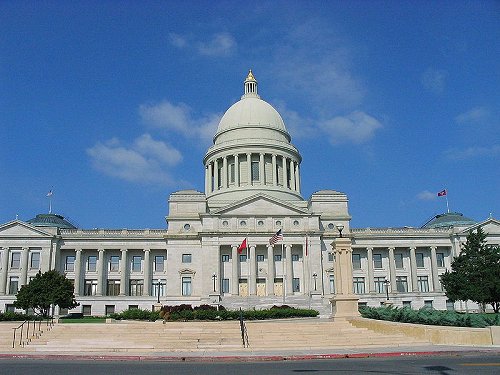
[[439, 365]]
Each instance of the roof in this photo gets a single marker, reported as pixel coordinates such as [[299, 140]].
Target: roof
[[51, 220], [449, 219]]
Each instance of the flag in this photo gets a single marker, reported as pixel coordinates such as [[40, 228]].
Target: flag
[[442, 193], [242, 246], [278, 236], [49, 194]]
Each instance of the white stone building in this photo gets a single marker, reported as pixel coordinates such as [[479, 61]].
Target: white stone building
[[252, 190]]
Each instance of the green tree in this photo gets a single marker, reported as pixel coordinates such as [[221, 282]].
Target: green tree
[[44, 290], [475, 272]]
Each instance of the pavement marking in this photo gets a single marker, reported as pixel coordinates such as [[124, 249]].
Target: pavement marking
[[480, 364]]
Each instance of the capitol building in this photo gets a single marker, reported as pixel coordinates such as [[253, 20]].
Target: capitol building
[[216, 247]]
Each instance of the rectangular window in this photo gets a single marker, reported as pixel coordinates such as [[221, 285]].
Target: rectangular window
[[231, 173], [133, 307], [243, 258], [186, 258], [440, 259], [87, 310], [356, 261], [296, 284], [255, 171], [277, 257], [90, 288], [377, 260], [332, 284], [379, 284], [260, 257], [420, 260], [70, 263], [35, 261], [407, 304], [219, 177], [109, 309], [159, 287], [186, 286], [136, 263], [428, 304], [113, 288], [295, 257], [15, 260], [225, 258], [159, 263], [114, 263], [136, 288], [423, 283], [331, 257], [225, 285], [92, 263], [359, 285], [398, 259], [450, 305], [401, 284], [13, 285]]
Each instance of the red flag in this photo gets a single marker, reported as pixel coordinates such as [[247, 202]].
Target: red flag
[[242, 246], [442, 193]]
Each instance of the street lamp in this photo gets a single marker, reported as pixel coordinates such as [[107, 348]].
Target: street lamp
[[340, 228], [214, 278], [387, 283], [315, 275], [158, 291]]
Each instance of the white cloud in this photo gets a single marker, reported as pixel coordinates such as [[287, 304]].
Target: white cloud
[[426, 195], [145, 161], [177, 40], [179, 118], [434, 80], [476, 114], [473, 152], [221, 44], [357, 127]]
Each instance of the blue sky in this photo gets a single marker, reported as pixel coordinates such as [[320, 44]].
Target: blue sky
[[112, 104]]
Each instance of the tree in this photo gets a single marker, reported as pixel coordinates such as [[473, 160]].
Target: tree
[[475, 272], [45, 290]]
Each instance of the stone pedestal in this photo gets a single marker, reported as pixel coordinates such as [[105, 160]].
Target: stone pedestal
[[157, 307], [344, 306]]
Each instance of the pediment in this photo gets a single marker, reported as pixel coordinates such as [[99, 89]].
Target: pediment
[[261, 205], [18, 228], [490, 226]]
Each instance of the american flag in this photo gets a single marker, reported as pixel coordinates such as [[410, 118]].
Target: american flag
[[278, 236]]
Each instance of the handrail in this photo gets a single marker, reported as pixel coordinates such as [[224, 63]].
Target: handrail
[[244, 333], [34, 331]]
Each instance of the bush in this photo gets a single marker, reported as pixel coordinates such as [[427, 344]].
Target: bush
[[15, 316], [136, 314]]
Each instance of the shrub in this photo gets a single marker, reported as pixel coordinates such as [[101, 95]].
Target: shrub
[[15, 316]]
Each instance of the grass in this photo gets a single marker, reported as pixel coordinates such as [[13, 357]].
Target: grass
[[85, 319]]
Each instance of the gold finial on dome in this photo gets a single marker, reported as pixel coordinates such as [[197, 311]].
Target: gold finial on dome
[[250, 76], [250, 85]]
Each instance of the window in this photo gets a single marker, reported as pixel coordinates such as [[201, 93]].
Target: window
[[136, 263], [87, 310], [90, 288], [407, 304], [359, 285], [440, 259], [420, 260], [15, 261], [401, 284], [356, 261], [398, 259], [450, 305], [428, 304], [159, 263], [186, 258], [277, 257], [295, 257], [225, 258], [70, 263], [377, 260], [63, 312], [92, 263], [35, 261], [114, 263], [362, 304], [225, 285], [331, 257], [186, 286], [136, 287], [159, 287], [379, 284], [243, 258], [423, 283], [133, 307], [255, 171], [231, 173], [296, 284], [13, 285], [113, 288], [260, 257], [109, 309], [332, 284]]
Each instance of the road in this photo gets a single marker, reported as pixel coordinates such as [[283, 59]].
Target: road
[[439, 365]]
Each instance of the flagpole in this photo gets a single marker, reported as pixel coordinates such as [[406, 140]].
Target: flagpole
[[283, 270], [447, 205]]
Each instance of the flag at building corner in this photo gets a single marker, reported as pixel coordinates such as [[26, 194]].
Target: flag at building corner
[[278, 236], [243, 246], [442, 193]]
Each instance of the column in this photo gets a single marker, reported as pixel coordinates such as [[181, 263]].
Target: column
[[236, 171], [100, 290], [262, 169], [24, 267], [252, 278], [249, 169], [371, 281], [285, 173], [54, 256], [123, 273], [147, 272], [270, 270], [274, 173], [78, 268], [413, 269], [297, 179], [434, 269], [392, 270], [292, 175], [216, 175], [289, 269], [207, 178], [210, 174], [224, 172], [235, 279], [3, 273]]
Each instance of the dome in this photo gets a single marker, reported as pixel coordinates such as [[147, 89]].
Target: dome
[[51, 220], [450, 219]]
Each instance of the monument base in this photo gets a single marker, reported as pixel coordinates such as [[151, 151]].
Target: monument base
[[344, 306]]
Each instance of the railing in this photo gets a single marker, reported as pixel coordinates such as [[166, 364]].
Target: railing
[[28, 330], [244, 333]]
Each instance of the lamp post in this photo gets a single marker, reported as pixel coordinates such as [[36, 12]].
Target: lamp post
[[387, 283], [340, 228], [315, 275], [214, 278], [158, 289]]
